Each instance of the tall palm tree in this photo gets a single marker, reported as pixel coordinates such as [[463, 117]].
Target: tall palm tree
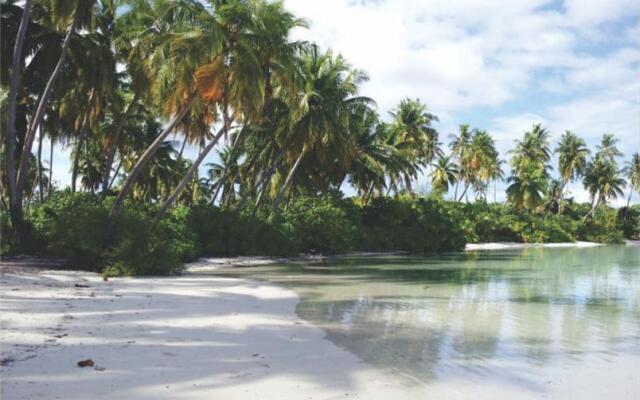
[[80, 12], [572, 158], [234, 79], [15, 199], [171, 40]]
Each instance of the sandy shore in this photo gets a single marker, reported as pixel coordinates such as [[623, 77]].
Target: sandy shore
[[184, 337], [514, 245]]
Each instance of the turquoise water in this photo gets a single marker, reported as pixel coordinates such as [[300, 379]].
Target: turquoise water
[[552, 323]]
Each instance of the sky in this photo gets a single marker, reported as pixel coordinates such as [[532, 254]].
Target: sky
[[497, 65]]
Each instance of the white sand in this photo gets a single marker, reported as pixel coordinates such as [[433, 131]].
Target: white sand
[[514, 245], [170, 338]]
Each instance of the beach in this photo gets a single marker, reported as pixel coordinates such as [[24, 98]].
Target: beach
[[180, 337]]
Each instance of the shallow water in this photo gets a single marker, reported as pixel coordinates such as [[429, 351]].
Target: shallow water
[[533, 323]]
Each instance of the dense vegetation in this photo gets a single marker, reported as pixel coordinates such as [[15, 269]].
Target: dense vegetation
[[71, 226], [113, 80]]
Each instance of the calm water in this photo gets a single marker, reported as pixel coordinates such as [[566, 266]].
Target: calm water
[[538, 323]]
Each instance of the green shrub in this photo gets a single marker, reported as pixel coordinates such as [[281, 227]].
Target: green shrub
[[420, 225], [602, 227], [76, 227], [138, 246], [72, 226], [7, 238], [319, 224], [629, 220], [226, 233]]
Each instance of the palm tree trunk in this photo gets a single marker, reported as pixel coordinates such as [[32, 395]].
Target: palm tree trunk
[[76, 155], [184, 143], [50, 169], [455, 191], [466, 187], [115, 174], [287, 181], [226, 166], [114, 147], [40, 186], [264, 182], [594, 204], [42, 104], [15, 195], [146, 156], [189, 175], [495, 191], [74, 171]]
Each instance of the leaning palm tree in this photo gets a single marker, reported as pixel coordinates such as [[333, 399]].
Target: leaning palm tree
[[15, 196], [234, 79], [172, 39], [70, 15]]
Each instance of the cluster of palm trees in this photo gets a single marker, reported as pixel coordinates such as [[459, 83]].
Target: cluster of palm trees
[[532, 187], [113, 80]]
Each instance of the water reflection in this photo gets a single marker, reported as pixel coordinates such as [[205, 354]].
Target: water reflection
[[520, 316]]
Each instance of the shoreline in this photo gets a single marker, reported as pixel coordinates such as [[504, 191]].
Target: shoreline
[[207, 264], [185, 337]]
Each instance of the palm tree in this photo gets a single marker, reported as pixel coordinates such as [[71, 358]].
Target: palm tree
[[234, 79], [572, 158], [372, 155], [529, 164], [319, 115], [80, 12], [633, 175], [496, 174], [602, 177], [225, 174], [414, 135], [443, 174], [478, 161], [15, 198], [527, 188], [459, 146], [171, 42]]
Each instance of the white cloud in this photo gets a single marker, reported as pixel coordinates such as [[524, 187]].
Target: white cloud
[[462, 56], [595, 12], [456, 54]]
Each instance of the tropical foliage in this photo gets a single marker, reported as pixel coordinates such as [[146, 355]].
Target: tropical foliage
[[126, 86]]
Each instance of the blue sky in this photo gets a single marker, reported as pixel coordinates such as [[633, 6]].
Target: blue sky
[[497, 65]]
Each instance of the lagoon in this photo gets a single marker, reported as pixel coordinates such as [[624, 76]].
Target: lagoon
[[532, 323]]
